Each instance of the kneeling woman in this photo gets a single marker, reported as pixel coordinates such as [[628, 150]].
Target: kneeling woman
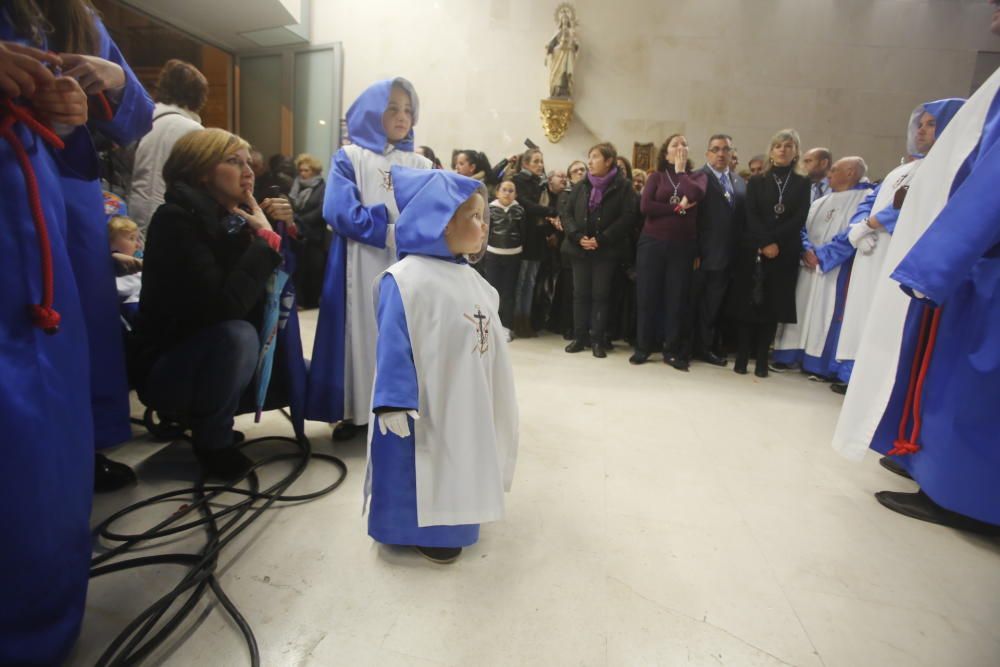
[[210, 252], [443, 449]]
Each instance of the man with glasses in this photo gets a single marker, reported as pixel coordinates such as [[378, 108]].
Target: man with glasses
[[720, 215]]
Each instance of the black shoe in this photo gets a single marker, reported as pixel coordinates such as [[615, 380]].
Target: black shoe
[[576, 346], [839, 388], [779, 367], [760, 371], [440, 555], [890, 465], [710, 357], [111, 475], [919, 506], [740, 367], [638, 358], [345, 431], [678, 361], [599, 352], [227, 463]]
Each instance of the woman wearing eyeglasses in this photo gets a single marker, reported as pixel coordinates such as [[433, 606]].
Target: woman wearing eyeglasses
[[209, 255]]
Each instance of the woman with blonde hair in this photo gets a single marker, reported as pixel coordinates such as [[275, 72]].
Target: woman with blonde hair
[[210, 252], [313, 245], [766, 265]]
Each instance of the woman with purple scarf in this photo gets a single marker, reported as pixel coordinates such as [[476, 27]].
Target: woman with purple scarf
[[667, 253], [597, 223]]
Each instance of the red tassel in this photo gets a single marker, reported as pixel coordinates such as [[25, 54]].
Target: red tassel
[[46, 319]]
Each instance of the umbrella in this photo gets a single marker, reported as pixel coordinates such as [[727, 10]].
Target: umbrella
[[268, 337]]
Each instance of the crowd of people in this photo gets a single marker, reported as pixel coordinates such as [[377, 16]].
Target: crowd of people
[[693, 262]]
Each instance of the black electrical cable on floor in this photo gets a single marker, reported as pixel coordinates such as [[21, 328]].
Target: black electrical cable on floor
[[136, 641]]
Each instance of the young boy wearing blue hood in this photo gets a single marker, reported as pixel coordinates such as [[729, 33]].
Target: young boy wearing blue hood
[[443, 450], [360, 207]]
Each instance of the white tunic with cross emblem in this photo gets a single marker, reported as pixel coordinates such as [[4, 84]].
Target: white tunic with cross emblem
[[467, 434], [816, 292], [363, 264]]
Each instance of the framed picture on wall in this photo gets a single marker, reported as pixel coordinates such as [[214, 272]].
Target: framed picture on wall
[[642, 156]]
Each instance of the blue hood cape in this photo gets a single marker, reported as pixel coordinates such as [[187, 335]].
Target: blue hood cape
[[427, 201], [942, 110], [364, 118]]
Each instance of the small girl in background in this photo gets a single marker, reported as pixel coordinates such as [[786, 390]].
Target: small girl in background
[[123, 236], [503, 252]]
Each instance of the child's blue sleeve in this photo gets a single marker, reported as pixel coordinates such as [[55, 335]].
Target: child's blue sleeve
[[343, 210], [395, 373], [133, 111]]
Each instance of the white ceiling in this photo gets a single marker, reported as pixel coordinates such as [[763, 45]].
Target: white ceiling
[[223, 22]]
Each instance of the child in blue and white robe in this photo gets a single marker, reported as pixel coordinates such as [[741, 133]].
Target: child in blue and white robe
[[442, 452], [360, 208]]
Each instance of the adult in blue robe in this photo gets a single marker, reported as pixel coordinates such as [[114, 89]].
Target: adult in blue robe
[[948, 394], [44, 407]]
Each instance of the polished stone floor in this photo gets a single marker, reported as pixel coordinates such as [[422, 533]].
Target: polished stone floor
[[657, 518]]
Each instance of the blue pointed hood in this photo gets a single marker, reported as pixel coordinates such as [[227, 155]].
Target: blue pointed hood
[[942, 110], [364, 118], [427, 200]]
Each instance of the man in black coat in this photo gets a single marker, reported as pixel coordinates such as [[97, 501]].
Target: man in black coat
[[720, 217]]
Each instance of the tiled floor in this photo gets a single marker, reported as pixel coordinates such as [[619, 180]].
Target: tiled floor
[[657, 518]]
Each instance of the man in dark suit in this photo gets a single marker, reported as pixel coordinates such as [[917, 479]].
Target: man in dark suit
[[720, 217]]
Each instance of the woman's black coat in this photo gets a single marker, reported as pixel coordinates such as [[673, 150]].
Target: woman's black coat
[[763, 227]]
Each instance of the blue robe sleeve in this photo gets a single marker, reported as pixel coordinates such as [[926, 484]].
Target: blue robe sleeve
[[133, 110], [865, 207], [806, 243], [343, 210], [835, 252], [887, 217], [967, 228], [396, 375]]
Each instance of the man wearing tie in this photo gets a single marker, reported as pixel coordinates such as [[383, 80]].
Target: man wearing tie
[[720, 217], [816, 163]]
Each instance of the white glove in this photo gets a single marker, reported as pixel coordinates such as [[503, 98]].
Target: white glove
[[859, 230], [866, 245], [396, 422], [390, 236]]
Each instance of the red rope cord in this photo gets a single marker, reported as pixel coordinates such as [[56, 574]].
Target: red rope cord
[[43, 315]]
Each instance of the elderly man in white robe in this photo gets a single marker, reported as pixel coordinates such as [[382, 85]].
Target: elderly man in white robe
[[821, 288]]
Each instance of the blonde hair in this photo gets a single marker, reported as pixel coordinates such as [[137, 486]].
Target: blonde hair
[[197, 152], [779, 137], [309, 161], [120, 224]]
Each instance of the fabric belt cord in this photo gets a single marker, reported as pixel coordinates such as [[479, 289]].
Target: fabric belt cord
[[43, 315], [918, 376]]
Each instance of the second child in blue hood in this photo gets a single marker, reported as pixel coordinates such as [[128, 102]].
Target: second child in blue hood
[[443, 450]]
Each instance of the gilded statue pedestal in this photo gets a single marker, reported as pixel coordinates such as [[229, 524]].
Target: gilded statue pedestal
[[556, 115]]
